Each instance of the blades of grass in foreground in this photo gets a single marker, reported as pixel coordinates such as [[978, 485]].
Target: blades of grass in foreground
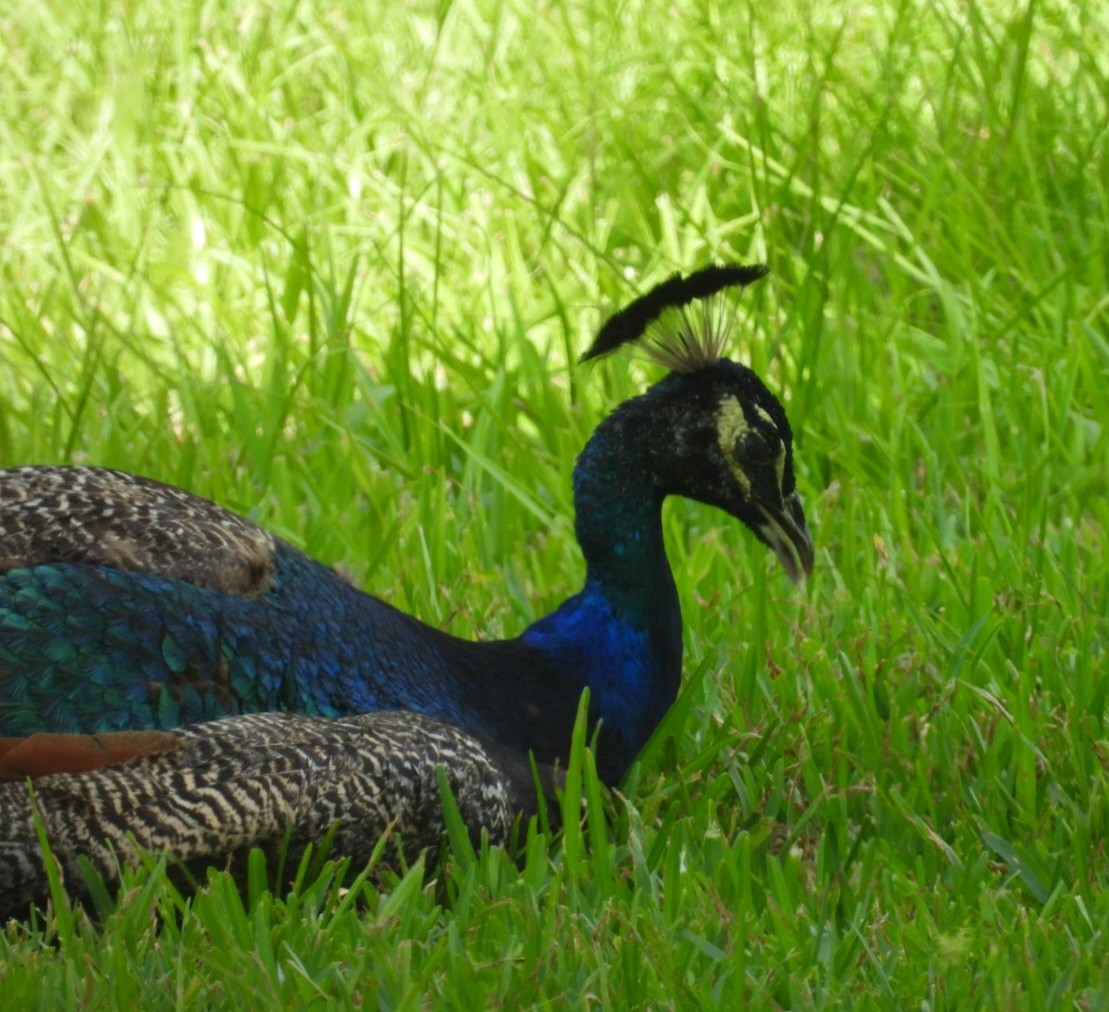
[[333, 268]]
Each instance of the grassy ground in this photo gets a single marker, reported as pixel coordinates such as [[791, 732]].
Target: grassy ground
[[330, 264]]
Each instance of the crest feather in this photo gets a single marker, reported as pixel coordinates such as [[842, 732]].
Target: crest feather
[[679, 340]]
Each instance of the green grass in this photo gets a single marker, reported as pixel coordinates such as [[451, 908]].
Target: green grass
[[330, 264]]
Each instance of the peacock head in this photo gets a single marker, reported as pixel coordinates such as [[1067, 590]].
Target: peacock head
[[711, 430]]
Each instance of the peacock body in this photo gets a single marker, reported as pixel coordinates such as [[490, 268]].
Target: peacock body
[[208, 793], [125, 603]]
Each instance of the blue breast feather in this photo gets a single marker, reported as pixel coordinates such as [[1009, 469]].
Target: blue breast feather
[[591, 640]]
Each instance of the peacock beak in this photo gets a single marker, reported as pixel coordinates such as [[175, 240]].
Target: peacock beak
[[788, 536]]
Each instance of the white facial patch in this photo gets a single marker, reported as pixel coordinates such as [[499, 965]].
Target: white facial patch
[[731, 423], [731, 427]]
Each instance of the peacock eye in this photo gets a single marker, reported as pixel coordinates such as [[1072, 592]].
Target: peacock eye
[[760, 447]]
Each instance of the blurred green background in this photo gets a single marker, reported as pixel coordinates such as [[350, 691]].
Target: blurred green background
[[331, 264]]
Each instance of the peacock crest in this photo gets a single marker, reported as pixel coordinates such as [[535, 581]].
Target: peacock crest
[[684, 324]]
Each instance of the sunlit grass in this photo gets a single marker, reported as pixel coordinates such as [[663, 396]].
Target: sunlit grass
[[332, 266]]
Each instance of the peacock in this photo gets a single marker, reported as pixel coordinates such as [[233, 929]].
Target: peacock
[[126, 603], [208, 793]]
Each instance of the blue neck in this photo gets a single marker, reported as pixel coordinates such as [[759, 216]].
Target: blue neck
[[621, 635], [618, 521]]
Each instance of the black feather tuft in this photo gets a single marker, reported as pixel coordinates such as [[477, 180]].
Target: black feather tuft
[[631, 322]]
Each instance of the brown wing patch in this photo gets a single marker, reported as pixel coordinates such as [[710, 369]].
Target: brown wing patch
[[111, 518], [41, 754]]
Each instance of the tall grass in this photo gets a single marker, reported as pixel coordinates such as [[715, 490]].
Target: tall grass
[[331, 265]]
